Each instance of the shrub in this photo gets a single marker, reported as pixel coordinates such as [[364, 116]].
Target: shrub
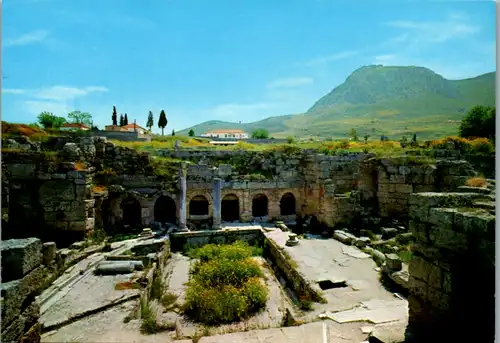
[[236, 251], [225, 284], [476, 182], [225, 272], [481, 146]]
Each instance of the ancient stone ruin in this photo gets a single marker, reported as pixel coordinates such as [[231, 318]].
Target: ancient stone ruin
[[328, 225]]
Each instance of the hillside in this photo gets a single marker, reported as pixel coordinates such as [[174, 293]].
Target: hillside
[[379, 100], [272, 124]]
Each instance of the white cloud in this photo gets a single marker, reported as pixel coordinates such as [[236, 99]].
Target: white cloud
[[290, 82], [14, 91], [65, 93], [56, 99], [384, 58], [36, 107], [236, 111], [455, 26], [330, 58], [27, 38]]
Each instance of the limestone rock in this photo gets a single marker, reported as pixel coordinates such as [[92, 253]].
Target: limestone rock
[[14, 293], [393, 262], [71, 151], [22, 323], [49, 250], [115, 267], [19, 257]]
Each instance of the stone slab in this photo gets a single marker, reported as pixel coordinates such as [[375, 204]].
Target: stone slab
[[14, 293], [19, 257], [391, 333], [307, 333], [354, 252], [375, 316], [22, 323]]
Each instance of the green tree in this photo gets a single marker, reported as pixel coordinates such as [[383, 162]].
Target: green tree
[[113, 117], [121, 120], [125, 119], [414, 142], [260, 134], [290, 140], [191, 133], [353, 134], [150, 122], [50, 121], [403, 141], [173, 132], [162, 121], [479, 122], [78, 117], [366, 136]]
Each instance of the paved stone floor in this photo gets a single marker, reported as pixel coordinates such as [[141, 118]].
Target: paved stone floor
[[364, 298], [350, 314]]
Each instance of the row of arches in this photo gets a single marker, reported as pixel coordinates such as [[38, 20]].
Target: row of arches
[[165, 209], [230, 206]]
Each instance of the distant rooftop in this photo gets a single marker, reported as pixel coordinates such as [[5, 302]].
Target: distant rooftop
[[76, 125], [226, 131]]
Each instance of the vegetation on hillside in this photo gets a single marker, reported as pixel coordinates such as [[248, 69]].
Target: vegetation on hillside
[[225, 284], [377, 100], [479, 122]]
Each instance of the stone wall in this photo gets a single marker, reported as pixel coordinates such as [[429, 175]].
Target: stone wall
[[452, 273], [122, 136], [55, 189], [284, 266], [22, 279], [184, 240], [45, 197], [398, 178]]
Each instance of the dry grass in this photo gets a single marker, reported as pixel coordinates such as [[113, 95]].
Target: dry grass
[[80, 166], [98, 188], [476, 182], [21, 129], [121, 286]]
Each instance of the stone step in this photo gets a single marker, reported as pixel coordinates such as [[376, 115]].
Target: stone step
[[467, 189]]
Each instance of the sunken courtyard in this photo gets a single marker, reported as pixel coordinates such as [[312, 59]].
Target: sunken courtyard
[[106, 243]]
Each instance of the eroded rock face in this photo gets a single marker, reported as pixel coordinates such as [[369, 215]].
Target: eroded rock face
[[71, 152], [454, 249]]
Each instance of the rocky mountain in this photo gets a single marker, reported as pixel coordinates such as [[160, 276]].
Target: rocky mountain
[[382, 100]]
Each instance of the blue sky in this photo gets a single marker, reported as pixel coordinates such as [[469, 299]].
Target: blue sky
[[229, 60]]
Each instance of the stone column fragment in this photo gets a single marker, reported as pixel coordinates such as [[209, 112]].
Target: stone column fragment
[[217, 203], [182, 198]]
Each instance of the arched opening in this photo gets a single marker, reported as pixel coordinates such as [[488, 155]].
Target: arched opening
[[259, 206], [165, 210], [198, 206], [230, 211], [287, 204], [131, 209]]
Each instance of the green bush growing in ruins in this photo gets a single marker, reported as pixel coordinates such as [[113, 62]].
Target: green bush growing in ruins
[[225, 284], [239, 250]]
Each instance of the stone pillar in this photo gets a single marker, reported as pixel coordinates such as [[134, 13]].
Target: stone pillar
[[182, 198], [217, 203]]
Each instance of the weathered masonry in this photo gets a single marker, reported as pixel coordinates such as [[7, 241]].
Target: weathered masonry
[[78, 185]]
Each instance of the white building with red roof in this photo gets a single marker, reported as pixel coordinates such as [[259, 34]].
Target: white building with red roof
[[74, 127], [230, 133]]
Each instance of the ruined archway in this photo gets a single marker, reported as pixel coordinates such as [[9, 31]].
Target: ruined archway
[[230, 211], [198, 206], [165, 210], [287, 204], [259, 206], [131, 209]]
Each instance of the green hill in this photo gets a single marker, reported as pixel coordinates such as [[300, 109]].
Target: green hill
[[381, 100], [272, 124]]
